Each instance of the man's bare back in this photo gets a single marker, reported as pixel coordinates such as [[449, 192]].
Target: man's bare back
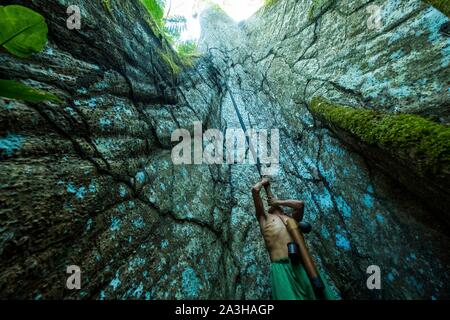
[[273, 223]]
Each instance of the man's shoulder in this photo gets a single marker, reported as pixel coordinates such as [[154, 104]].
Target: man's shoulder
[[286, 218]]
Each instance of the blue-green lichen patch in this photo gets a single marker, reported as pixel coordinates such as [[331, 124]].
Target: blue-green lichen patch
[[138, 223], [79, 191], [190, 283], [140, 177], [390, 277], [8, 104], [342, 242], [115, 282], [115, 224], [380, 218], [343, 207], [122, 191], [10, 144], [421, 142], [368, 198], [91, 103], [164, 244]]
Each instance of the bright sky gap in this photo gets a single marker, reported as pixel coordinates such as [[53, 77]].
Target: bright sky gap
[[238, 10]]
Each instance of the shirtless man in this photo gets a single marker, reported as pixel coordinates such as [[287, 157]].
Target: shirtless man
[[273, 223], [289, 281]]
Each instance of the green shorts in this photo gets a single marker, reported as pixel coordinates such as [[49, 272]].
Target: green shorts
[[291, 282]]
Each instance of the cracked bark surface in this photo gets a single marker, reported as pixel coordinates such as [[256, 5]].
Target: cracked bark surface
[[92, 182]]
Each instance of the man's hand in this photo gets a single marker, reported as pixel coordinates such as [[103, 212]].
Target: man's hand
[[265, 182]]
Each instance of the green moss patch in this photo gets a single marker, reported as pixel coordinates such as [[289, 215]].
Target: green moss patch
[[170, 62], [423, 143], [441, 5], [107, 5], [268, 3]]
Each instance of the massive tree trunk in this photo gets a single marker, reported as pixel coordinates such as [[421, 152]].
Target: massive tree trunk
[[90, 182]]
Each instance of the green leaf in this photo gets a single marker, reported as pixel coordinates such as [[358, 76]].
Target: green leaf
[[174, 26], [22, 30], [156, 10], [15, 90]]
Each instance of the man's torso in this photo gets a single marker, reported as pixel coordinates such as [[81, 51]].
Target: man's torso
[[276, 235]]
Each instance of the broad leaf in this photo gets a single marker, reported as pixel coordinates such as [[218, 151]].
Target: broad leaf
[[15, 90], [22, 30]]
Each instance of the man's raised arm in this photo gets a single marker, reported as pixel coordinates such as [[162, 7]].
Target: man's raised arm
[[297, 205], [259, 205]]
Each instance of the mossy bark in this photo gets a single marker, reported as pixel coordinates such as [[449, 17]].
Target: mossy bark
[[441, 5], [413, 150]]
